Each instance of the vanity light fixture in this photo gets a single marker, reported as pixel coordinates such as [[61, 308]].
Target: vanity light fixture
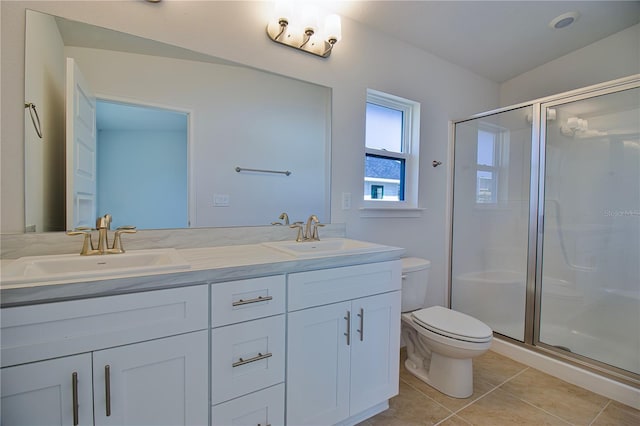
[[301, 31]]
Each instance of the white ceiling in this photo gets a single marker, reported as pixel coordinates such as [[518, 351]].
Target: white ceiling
[[495, 39]]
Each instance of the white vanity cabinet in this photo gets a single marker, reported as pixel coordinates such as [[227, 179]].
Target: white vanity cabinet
[[343, 343], [119, 360], [248, 352], [247, 345]]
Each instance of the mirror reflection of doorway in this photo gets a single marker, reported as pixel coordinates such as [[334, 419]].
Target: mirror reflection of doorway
[[142, 165]]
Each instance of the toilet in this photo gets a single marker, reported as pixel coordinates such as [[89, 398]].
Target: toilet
[[441, 342]]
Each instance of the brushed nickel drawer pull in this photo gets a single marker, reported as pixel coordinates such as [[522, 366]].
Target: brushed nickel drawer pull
[[256, 300], [107, 389], [348, 333], [74, 392], [254, 359], [361, 331]]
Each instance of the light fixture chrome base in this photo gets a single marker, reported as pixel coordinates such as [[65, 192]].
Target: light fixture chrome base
[[278, 32]]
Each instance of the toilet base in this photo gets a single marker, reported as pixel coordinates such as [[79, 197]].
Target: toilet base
[[451, 376]]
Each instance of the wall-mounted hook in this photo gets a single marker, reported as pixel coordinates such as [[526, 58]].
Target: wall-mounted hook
[[436, 163], [34, 117]]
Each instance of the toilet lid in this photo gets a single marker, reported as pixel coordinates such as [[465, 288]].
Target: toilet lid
[[453, 324]]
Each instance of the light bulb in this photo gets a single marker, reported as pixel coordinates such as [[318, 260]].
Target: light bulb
[[309, 18], [333, 28], [283, 10]]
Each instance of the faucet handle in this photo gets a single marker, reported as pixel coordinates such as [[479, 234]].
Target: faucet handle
[[315, 235], [298, 225], [117, 239], [87, 243], [80, 230]]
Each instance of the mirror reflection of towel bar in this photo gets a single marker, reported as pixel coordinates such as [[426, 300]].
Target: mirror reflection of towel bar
[[282, 172]]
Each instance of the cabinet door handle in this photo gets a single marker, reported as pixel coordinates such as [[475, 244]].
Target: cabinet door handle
[[254, 359], [255, 300], [107, 389], [348, 333], [74, 392], [361, 331]]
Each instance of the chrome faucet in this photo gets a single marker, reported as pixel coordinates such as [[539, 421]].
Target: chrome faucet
[[103, 225]]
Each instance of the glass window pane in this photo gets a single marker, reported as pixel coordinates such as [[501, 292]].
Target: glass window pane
[[486, 148], [384, 128], [383, 178]]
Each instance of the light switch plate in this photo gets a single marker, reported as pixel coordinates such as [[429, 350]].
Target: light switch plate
[[346, 200], [221, 200]]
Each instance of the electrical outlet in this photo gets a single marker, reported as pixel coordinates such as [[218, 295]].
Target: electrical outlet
[[346, 201], [221, 200]]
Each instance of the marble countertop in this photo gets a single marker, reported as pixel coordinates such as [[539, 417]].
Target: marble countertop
[[208, 265]]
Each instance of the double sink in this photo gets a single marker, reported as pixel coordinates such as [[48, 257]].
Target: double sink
[[33, 269]]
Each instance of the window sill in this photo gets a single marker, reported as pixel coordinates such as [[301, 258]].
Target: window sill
[[390, 212]]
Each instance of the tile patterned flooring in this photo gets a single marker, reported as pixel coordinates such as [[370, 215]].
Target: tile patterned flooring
[[505, 393]]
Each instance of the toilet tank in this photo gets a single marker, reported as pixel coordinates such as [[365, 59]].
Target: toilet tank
[[415, 278]]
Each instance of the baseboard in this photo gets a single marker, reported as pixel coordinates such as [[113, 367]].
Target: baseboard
[[364, 415], [604, 386]]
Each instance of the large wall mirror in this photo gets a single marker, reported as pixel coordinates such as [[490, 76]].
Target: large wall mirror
[[171, 129]]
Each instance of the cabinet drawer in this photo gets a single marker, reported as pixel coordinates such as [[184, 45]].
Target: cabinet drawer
[[314, 288], [244, 300], [246, 357], [32, 333], [265, 407]]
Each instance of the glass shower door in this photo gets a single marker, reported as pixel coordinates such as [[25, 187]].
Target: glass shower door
[[589, 278], [491, 218]]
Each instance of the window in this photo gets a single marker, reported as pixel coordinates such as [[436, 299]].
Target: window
[[491, 157], [391, 151]]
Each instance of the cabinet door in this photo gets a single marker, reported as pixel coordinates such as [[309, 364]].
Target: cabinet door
[[42, 393], [159, 382], [318, 365], [375, 350]]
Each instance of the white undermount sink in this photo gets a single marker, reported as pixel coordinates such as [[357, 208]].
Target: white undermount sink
[[73, 266], [325, 247]]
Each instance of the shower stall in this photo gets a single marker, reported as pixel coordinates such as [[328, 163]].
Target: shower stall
[[545, 234]]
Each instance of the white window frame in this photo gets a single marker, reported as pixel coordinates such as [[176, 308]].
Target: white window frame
[[410, 154]]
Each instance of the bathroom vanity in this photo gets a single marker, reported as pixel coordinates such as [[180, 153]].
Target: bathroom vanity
[[247, 335]]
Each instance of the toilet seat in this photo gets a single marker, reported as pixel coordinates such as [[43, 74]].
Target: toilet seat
[[452, 324]]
